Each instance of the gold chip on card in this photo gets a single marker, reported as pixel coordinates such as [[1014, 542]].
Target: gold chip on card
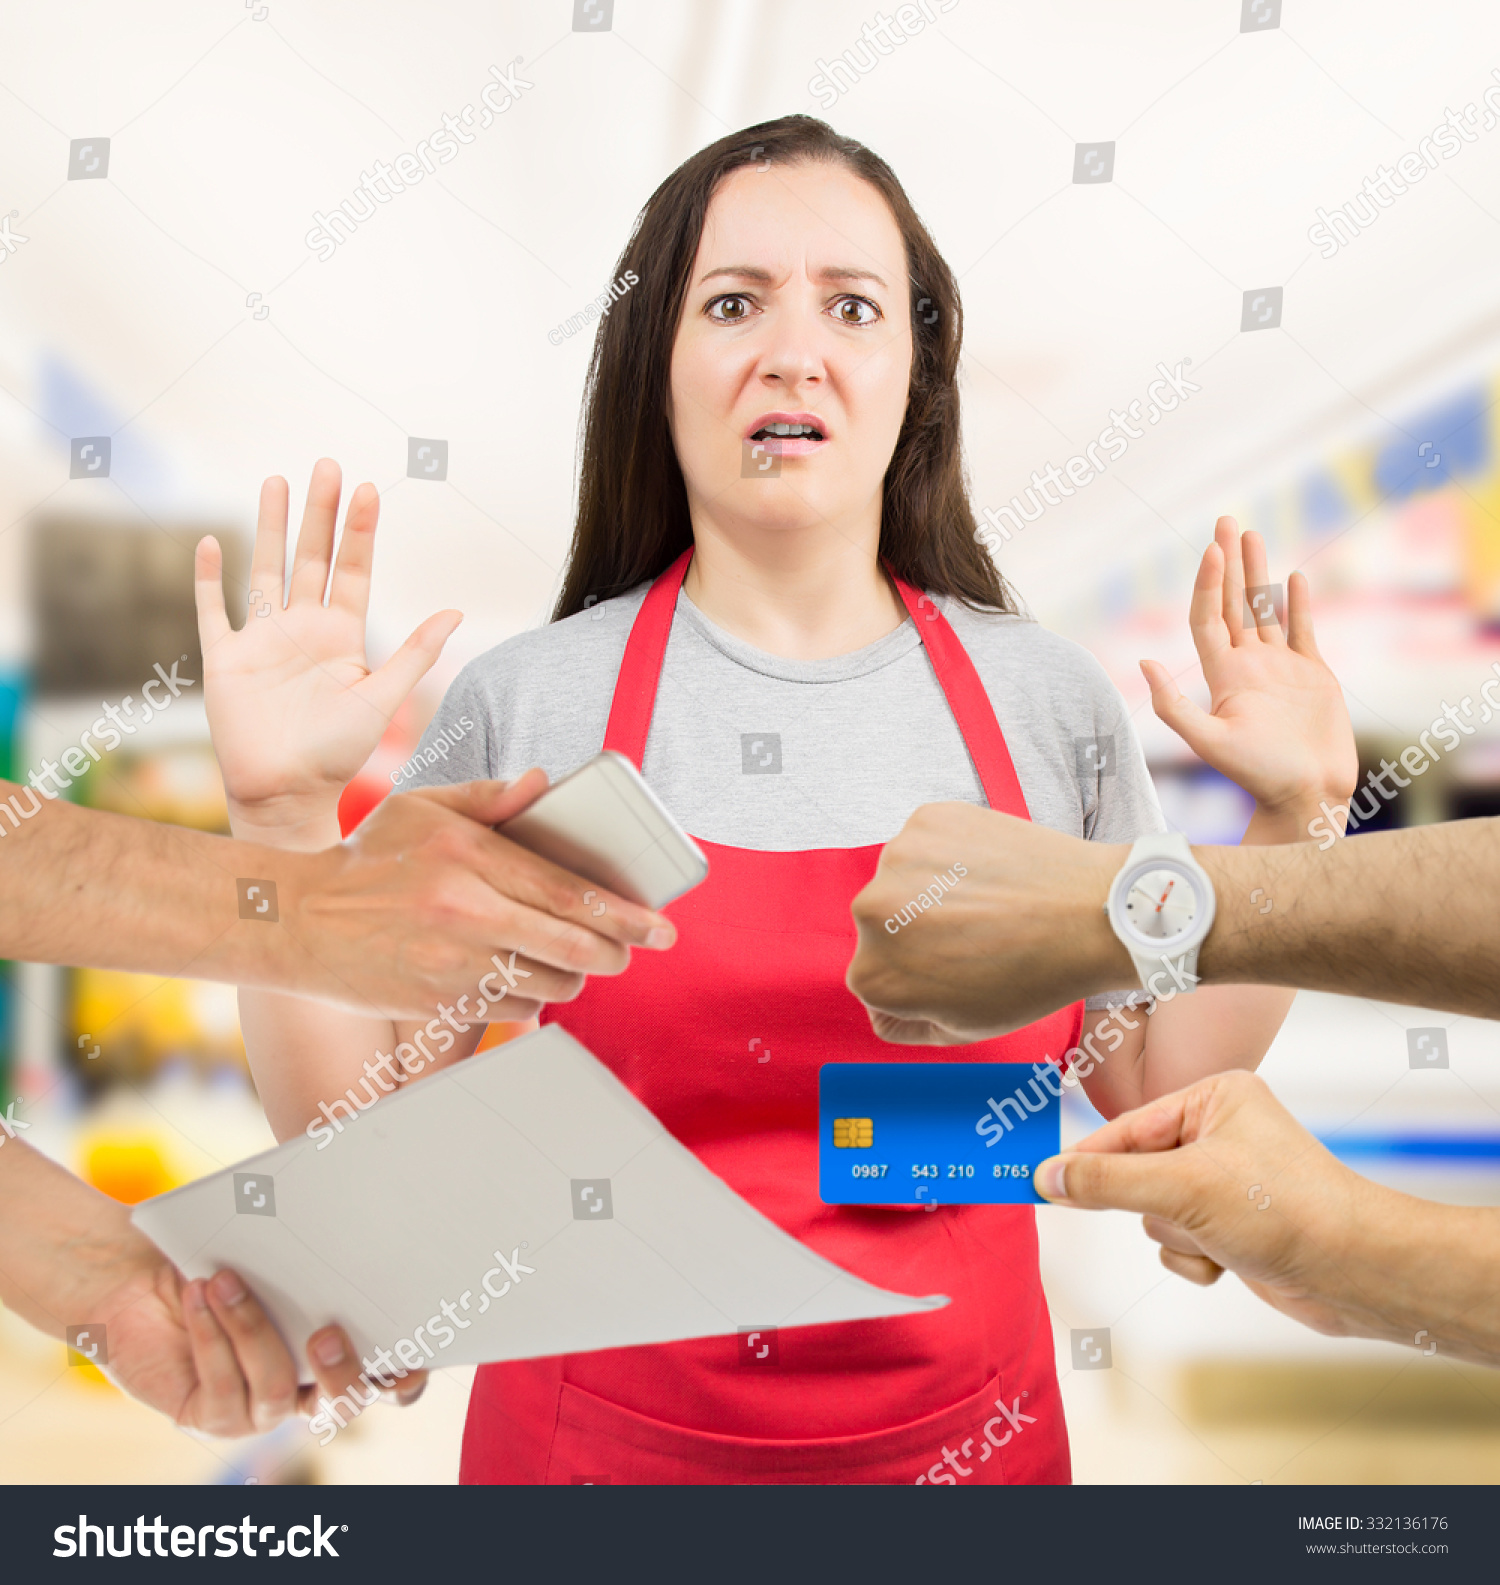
[[853, 1133]]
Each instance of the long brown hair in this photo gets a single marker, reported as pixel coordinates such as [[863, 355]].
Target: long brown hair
[[633, 520]]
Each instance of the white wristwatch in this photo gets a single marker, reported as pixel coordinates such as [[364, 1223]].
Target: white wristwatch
[[1161, 906]]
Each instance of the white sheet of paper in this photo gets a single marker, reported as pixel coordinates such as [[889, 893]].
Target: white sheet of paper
[[535, 1152]]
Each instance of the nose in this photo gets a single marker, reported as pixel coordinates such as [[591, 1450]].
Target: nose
[[793, 354]]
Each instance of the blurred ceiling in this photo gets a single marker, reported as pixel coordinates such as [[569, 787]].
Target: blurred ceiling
[[175, 306]]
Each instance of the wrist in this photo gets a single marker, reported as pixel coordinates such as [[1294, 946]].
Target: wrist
[[1297, 818], [305, 825], [101, 1261], [1108, 962], [64, 1246], [1397, 1261]]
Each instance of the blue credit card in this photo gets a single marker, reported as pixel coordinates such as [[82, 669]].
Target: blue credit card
[[934, 1133]]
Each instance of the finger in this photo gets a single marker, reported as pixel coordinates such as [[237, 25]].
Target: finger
[[1161, 1184], [388, 686], [1258, 577], [1206, 610], [546, 959], [1196, 1268], [489, 803], [1201, 731], [315, 537], [525, 910], [547, 887], [208, 593], [412, 1388], [1170, 1236], [1227, 537], [912, 1031], [1299, 622], [269, 1371], [339, 1371], [351, 573], [1159, 1125], [570, 902], [220, 1408], [268, 559]]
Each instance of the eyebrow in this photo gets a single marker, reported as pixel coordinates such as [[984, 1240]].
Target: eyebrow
[[834, 272]]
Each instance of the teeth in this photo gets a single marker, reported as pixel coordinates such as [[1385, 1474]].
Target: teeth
[[789, 429]]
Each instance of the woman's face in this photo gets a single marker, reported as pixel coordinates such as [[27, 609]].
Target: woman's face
[[797, 312]]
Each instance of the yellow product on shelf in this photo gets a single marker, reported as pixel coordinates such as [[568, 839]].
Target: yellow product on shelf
[[136, 1022], [128, 1169]]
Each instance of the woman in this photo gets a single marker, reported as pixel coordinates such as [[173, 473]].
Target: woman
[[776, 605]]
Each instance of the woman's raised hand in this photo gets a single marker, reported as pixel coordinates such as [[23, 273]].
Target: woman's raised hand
[[293, 706], [1276, 721]]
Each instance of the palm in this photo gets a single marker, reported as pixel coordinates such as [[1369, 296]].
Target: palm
[[293, 705], [1286, 727], [1276, 722], [150, 1354]]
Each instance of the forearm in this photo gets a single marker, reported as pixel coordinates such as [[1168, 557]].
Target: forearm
[[1415, 1272], [317, 1067], [85, 887], [303, 1053], [61, 1242], [1403, 916]]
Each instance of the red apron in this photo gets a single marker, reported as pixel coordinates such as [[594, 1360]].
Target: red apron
[[722, 1038]]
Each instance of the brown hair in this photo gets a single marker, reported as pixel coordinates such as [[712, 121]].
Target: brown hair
[[633, 520]]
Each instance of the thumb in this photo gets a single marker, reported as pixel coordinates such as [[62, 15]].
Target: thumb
[[1193, 724], [488, 802], [1156, 1184], [387, 687]]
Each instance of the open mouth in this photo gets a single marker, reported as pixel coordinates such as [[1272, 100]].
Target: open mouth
[[788, 432]]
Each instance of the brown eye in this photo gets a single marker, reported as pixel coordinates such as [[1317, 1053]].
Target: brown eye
[[856, 311], [729, 310]]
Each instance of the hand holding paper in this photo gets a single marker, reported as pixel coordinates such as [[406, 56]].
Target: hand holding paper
[[520, 1204]]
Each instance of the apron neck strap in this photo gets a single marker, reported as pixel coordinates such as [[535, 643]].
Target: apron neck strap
[[640, 669], [640, 672]]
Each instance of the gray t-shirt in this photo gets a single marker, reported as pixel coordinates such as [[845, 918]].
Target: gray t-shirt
[[756, 751]]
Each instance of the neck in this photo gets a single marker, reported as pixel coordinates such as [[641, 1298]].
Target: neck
[[801, 594]]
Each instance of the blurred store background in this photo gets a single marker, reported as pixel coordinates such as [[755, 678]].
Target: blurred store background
[[168, 338]]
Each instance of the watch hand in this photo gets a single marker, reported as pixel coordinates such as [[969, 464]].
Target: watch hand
[[1166, 894]]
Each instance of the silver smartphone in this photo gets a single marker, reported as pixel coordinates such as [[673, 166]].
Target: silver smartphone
[[604, 823]]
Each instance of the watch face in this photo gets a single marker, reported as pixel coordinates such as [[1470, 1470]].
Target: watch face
[[1161, 905]]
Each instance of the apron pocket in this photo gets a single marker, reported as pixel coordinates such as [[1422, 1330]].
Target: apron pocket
[[601, 1442]]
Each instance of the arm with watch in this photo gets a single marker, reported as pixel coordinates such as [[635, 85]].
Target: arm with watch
[[1029, 931], [1276, 725]]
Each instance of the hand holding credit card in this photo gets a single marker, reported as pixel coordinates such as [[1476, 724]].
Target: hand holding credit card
[[934, 1133]]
